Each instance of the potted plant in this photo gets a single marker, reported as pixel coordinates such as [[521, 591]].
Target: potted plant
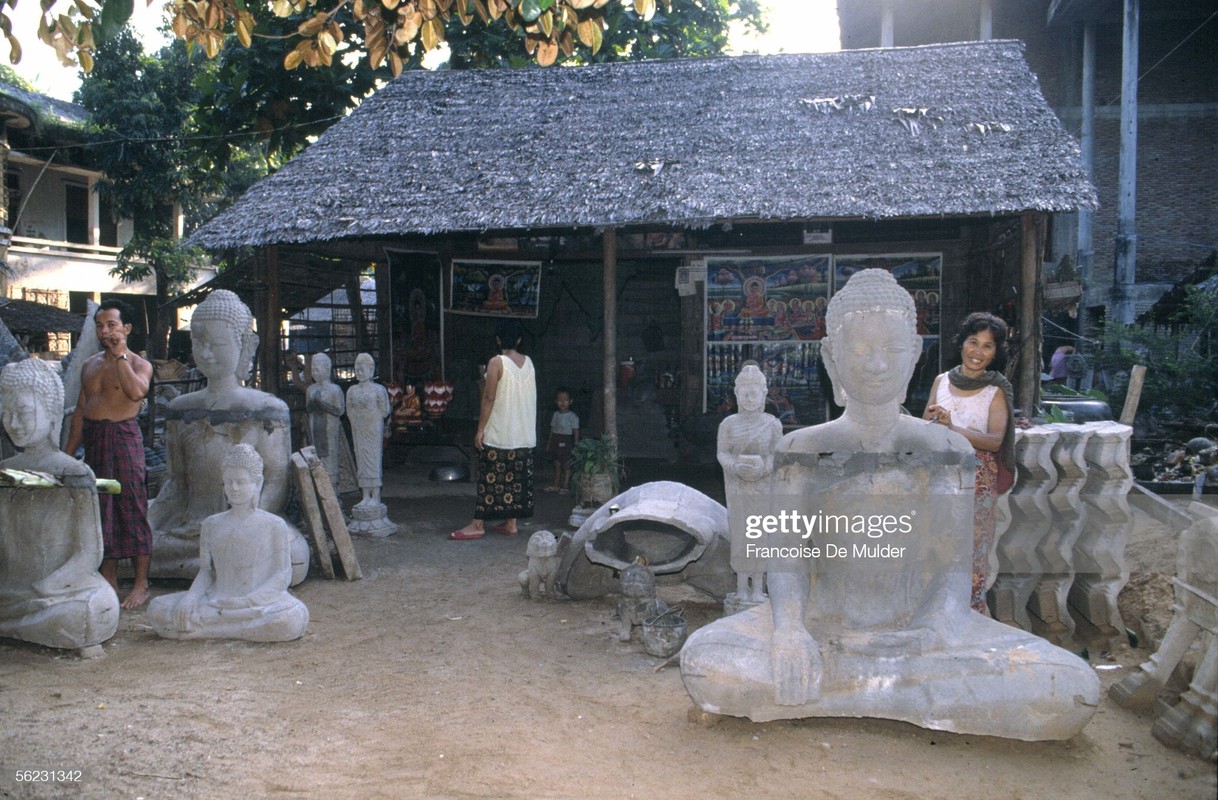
[[597, 470]]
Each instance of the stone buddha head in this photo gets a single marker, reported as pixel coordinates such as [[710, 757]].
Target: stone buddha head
[[871, 345], [750, 388], [365, 368], [242, 473], [31, 403], [222, 337], [319, 367]]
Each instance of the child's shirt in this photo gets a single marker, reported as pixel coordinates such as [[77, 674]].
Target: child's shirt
[[564, 423]]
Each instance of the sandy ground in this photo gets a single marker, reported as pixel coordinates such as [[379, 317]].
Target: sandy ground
[[432, 677]]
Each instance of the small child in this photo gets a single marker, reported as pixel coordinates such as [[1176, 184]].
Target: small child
[[564, 435]]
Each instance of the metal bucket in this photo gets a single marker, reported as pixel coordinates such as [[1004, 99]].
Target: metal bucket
[[664, 634]]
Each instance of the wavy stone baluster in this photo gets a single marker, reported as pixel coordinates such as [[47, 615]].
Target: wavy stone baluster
[[1056, 550], [1019, 565], [1099, 553]]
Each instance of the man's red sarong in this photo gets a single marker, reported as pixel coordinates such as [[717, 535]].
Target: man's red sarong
[[116, 450]]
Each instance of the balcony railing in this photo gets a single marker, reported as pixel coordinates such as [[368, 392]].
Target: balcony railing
[[50, 247]]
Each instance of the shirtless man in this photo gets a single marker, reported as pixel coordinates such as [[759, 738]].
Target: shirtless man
[[112, 385]]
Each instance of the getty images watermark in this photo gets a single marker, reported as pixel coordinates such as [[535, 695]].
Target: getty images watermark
[[859, 532]]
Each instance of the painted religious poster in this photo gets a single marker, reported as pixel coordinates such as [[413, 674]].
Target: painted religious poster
[[495, 288], [766, 299], [919, 273], [416, 324], [797, 384]]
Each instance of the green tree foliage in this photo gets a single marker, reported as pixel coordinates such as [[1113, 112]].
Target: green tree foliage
[[1181, 360], [141, 111]]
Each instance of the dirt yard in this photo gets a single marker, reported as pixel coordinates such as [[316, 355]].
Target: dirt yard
[[433, 678]]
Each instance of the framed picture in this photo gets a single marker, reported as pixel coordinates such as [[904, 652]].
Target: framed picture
[[495, 288]]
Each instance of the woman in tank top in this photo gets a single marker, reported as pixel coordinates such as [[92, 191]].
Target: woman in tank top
[[976, 400], [506, 436]]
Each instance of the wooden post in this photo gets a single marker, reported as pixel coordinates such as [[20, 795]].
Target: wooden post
[[384, 323], [1137, 376], [1124, 275], [267, 314], [1027, 389], [609, 331], [1087, 144]]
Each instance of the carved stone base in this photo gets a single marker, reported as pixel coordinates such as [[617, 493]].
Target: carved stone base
[[371, 520]]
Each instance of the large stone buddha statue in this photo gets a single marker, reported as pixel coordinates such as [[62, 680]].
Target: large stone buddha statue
[[50, 538], [866, 548], [201, 427]]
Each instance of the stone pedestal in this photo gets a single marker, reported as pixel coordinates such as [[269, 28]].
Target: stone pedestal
[[1056, 549], [371, 519], [1019, 564], [1099, 552]]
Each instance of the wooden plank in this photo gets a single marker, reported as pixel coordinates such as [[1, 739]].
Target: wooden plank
[[308, 501], [334, 514], [1133, 395]]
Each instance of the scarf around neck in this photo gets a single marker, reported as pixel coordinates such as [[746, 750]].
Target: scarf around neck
[[991, 378]]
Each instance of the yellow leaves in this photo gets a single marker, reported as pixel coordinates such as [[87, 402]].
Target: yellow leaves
[[245, 28], [646, 9], [390, 28], [85, 9], [410, 20], [432, 33], [312, 26], [14, 53], [591, 34]]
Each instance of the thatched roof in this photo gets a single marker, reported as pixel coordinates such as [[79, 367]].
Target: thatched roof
[[25, 317], [41, 109], [687, 142]]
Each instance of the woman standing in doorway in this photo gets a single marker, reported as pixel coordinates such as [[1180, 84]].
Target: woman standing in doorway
[[506, 436], [976, 400]]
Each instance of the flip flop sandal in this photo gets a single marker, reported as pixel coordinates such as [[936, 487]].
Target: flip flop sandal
[[461, 536], [503, 529]]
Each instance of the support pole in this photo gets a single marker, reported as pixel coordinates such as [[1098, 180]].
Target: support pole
[[1087, 144], [1124, 274], [609, 332], [886, 25], [1027, 389], [267, 315]]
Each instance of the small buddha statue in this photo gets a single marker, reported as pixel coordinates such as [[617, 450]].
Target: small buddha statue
[[245, 568]]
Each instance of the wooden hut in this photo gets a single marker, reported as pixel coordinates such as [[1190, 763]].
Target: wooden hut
[[624, 190]]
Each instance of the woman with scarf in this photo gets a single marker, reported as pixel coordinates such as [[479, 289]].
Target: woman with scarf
[[976, 400]]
